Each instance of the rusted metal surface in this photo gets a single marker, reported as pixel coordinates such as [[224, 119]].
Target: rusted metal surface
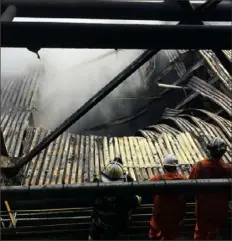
[[205, 89], [228, 54], [217, 68], [13, 125]]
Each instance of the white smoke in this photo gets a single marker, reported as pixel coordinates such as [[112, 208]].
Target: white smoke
[[69, 81], [69, 78]]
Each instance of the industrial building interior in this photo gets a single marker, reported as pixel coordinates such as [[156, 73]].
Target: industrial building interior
[[64, 119]]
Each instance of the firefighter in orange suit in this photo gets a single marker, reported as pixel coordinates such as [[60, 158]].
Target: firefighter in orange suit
[[168, 210], [211, 209]]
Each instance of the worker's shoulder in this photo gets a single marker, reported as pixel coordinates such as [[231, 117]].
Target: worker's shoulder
[[201, 162], [182, 176], [156, 178]]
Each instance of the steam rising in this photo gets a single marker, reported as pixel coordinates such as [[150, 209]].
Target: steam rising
[[67, 84], [69, 78]]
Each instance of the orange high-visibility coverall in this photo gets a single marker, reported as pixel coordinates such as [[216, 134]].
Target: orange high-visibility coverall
[[211, 209], [168, 211]]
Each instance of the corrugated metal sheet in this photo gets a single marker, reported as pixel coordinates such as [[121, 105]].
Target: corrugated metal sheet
[[14, 125], [210, 131], [170, 112], [228, 54], [148, 134], [73, 158], [225, 125], [20, 93], [205, 89], [216, 66], [76, 159], [195, 94], [174, 62], [162, 128], [174, 57], [202, 130], [184, 125], [183, 145]]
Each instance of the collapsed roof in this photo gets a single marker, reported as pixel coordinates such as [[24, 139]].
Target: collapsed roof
[[182, 131]]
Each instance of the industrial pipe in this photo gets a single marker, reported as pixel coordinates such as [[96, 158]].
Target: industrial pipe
[[9, 14], [114, 36], [173, 87], [111, 9], [91, 190]]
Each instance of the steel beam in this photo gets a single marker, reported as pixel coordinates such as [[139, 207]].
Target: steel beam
[[120, 36], [111, 9], [189, 10], [9, 14], [93, 189]]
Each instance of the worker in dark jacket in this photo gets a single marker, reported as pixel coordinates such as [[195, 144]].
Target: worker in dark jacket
[[211, 209], [168, 210], [111, 213]]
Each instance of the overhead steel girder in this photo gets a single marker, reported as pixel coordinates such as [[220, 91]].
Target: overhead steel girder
[[94, 189], [122, 36], [111, 9]]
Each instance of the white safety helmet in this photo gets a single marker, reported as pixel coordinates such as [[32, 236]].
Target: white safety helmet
[[170, 161]]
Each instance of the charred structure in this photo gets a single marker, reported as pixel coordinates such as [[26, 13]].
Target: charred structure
[[200, 110]]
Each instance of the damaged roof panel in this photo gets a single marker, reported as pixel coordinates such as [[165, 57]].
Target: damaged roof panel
[[20, 93], [76, 159], [216, 66], [205, 89], [73, 158], [207, 131], [174, 57], [14, 125], [224, 124]]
